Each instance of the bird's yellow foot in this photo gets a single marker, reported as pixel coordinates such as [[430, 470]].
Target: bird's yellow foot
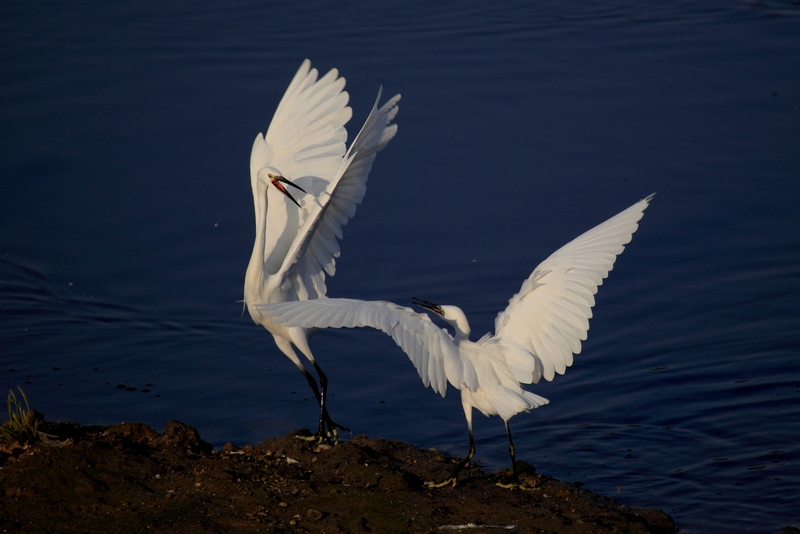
[[449, 482], [318, 439], [314, 438], [516, 485], [334, 435], [335, 427]]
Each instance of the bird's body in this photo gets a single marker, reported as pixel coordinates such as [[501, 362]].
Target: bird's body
[[535, 336], [499, 391], [296, 242]]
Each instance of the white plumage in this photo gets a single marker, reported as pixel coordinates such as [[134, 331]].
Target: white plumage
[[535, 336], [297, 240]]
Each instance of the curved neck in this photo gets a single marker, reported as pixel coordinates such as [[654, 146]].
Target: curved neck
[[461, 331], [455, 317], [255, 269]]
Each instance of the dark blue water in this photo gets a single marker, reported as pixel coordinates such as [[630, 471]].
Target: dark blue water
[[126, 226]]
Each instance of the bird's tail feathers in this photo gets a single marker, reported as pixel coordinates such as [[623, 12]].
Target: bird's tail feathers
[[509, 403], [534, 400]]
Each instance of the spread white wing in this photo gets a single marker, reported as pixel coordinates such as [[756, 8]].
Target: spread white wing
[[549, 317], [430, 348], [305, 142], [314, 251], [306, 137]]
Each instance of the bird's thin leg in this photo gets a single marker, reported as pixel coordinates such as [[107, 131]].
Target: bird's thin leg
[[514, 479], [320, 393], [286, 347], [313, 384], [465, 461], [453, 478], [511, 452], [514, 482], [323, 409]]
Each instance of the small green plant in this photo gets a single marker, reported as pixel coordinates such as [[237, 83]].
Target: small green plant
[[22, 424]]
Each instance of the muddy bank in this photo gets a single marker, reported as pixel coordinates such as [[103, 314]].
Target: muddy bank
[[129, 478]]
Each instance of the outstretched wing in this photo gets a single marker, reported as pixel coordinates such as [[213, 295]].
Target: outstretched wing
[[549, 317], [430, 348], [306, 137], [314, 252]]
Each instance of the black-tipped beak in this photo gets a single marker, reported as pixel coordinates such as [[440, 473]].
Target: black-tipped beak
[[278, 182], [428, 305]]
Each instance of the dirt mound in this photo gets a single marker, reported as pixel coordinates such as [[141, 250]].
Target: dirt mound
[[129, 478]]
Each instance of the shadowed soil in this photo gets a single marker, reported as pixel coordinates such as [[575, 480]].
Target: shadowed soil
[[129, 478]]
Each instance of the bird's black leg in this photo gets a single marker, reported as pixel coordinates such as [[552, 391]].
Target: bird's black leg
[[511, 452], [465, 461], [323, 409], [313, 383], [514, 482], [453, 478]]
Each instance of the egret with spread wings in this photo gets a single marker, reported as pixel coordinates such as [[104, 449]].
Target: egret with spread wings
[[306, 186], [536, 336]]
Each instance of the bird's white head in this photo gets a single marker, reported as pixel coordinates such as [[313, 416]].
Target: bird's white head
[[271, 175], [454, 316]]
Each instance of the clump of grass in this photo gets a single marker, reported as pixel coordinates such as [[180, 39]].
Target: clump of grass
[[22, 425]]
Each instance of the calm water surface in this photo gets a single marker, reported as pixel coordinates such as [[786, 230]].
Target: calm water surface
[[126, 226]]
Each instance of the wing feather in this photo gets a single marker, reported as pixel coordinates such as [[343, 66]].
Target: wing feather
[[430, 348], [337, 204], [549, 316], [305, 141], [306, 136]]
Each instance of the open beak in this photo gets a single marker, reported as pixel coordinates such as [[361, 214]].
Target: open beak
[[278, 182], [428, 305]]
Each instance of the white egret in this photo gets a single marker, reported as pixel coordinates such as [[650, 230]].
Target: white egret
[[296, 242], [536, 336]]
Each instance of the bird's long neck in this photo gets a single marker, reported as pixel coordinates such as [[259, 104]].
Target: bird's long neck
[[281, 224], [456, 318], [460, 333], [254, 277]]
